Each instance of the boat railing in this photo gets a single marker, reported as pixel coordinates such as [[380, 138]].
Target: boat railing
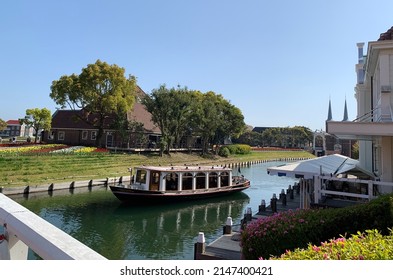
[[21, 229]]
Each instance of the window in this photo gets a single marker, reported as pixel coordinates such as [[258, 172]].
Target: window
[[84, 135], [51, 135], [93, 135], [61, 135], [141, 176]]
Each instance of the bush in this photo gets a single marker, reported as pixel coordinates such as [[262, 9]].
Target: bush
[[371, 245], [238, 149], [224, 152], [273, 236]]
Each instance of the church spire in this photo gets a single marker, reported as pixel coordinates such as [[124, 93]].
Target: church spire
[[345, 119], [329, 118]]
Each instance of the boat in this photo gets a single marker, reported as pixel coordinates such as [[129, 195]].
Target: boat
[[164, 184]]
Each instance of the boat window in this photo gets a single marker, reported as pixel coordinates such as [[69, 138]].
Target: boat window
[[200, 180], [171, 181], [141, 176], [213, 180], [224, 179], [187, 181]]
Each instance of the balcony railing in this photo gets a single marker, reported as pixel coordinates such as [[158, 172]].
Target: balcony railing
[[21, 229]]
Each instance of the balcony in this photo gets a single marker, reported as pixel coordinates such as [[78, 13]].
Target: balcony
[[376, 123]]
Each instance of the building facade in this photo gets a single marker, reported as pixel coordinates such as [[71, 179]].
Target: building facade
[[73, 127], [373, 127], [15, 129]]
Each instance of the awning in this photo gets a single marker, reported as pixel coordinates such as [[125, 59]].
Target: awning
[[327, 165]]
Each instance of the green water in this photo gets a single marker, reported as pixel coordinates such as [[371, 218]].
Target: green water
[[119, 232]]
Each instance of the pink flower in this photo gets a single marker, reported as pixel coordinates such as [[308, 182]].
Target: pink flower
[[316, 248]]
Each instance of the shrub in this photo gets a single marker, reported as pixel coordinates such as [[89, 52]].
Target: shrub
[[238, 149], [224, 152], [371, 245], [273, 236]]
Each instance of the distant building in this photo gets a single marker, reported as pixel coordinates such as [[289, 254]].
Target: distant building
[[68, 127], [15, 129]]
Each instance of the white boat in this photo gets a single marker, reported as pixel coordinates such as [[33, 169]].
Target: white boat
[[158, 184]]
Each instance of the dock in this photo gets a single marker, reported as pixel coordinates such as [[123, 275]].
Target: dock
[[300, 196], [227, 246]]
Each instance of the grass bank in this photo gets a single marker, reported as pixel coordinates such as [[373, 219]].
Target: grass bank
[[41, 169]]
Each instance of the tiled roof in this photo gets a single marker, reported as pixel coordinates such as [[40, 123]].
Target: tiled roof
[[140, 114], [13, 122], [71, 119], [388, 35]]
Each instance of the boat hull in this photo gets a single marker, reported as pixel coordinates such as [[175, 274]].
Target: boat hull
[[135, 196]]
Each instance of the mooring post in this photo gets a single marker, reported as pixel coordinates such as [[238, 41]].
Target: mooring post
[[200, 246], [228, 226], [283, 197], [291, 192], [262, 207], [273, 203], [248, 214]]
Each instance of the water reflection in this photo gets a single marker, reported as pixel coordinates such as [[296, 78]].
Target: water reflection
[[98, 219], [119, 232]]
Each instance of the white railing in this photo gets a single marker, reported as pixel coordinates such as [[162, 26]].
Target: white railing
[[369, 188], [22, 229]]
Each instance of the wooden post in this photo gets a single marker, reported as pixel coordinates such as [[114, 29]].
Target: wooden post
[[200, 246], [262, 207], [273, 203], [228, 226], [248, 214]]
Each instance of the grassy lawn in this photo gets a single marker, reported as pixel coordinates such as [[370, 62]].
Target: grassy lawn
[[42, 169]]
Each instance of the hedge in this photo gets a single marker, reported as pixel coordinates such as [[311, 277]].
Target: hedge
[[273, 236]]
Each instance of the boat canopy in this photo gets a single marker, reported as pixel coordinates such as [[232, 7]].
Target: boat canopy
[[326, 165]]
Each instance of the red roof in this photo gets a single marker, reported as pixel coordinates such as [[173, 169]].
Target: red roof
[[13, 122]]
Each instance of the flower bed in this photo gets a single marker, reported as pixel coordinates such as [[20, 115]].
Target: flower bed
[[289, 230], [371, 245], [30, 149]]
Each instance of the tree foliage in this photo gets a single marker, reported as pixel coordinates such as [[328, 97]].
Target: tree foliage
[[180, 112], [101, 90], [3, 124], [37, 119]]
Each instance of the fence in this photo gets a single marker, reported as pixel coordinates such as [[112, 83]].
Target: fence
[[21, 229]]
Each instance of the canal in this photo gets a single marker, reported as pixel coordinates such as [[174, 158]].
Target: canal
[[161, 232]]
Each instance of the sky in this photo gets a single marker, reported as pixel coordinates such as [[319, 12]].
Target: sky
[[279, 62]]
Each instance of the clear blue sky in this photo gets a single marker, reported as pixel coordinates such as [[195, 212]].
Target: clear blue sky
[[278, 61]]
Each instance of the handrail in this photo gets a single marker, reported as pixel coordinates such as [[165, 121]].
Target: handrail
[[366, 116], [23, 227]]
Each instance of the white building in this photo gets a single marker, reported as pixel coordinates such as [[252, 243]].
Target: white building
[[373, 126]]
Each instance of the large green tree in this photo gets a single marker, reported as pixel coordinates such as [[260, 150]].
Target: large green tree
[[182, 112], [217, 120], [172, 110], [38, 119], [101, 90]]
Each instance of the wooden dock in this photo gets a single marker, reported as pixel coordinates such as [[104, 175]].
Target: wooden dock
[[227, 246]]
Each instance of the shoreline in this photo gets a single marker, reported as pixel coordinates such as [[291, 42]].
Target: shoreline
[[105, 182]]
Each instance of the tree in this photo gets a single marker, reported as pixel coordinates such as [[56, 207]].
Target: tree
[[218, 119], [38, 119], [3, 124], [172, 111], [101, 90]]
